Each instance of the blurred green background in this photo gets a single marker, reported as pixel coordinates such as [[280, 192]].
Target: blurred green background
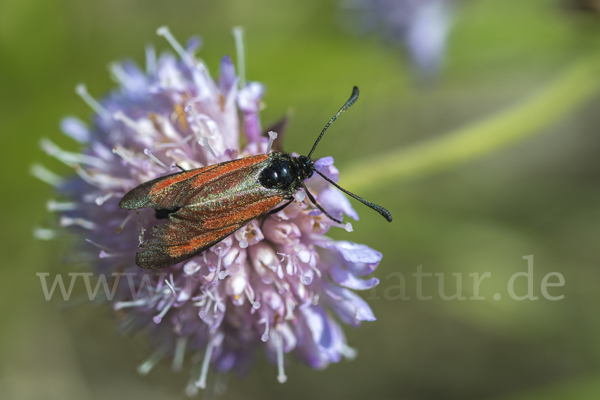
[[539, 196]]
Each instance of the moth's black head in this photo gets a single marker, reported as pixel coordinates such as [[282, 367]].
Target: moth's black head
[[305, 167]]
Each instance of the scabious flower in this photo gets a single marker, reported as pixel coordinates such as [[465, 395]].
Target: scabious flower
[[421, 25], [278, 288]]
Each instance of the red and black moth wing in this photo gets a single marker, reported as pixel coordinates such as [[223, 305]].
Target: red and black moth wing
[[204, 206]]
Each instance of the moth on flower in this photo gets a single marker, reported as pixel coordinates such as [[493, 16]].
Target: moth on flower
[[205, 205], [278, 284]]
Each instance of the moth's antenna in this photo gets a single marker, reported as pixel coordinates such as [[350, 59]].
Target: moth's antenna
[[385, 213], [349, 103], [314, 201]]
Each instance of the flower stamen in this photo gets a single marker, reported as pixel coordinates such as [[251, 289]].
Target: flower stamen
[[147, 365], [179, 353], [281, 377], [53, 205], [125, 221], [272, 137], [44, 233], [265, 335], [201, 383], [184, 55], [215, 281], [255, 304], [45, 175], [139, 127], [238, 34], [81, 90], [67, 157], [67, 221], [148, 152]]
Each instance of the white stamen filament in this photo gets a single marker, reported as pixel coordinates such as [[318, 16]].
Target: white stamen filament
[[166, 33], [148, 152], [179, 353], [204, 312], [119, 73], [204, 143], [348, 352], [281, 378], [255, 304], [215, 281], [265, 335], [316, 270], [243, 244], [272, 137], [52, 205], [238, 34], [170, 285], [45, 175], [138, 127], [121, 153], [150, 60], [201, 382], [44, 234], [147, 365], [69, 158], [174, 144], [101, 247], [190, 110], [84, 175], [107, 254], [162, 313], [81, 90], [133, 303], [289, 310], [102, 199], [66, 221]]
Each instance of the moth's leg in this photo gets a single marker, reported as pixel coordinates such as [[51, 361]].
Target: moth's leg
[[275, 211], [180, 167], [312, 199]]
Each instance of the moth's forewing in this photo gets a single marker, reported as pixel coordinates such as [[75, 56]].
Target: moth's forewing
[[188, 232], [175, 190], [212, 203]]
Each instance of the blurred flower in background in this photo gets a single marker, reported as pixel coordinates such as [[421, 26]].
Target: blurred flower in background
[[273, 287], [592, 6], [422, 26]]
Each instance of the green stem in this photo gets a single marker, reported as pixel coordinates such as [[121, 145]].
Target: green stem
[[573, 88]]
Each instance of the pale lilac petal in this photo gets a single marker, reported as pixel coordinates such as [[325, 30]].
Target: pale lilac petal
[[348, 306], [193, 44], [333, 199], [354, 252], [249, 98], [227, 76], [347, 279], [323, 162]]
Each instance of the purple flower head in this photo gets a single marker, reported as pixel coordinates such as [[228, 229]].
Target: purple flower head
[[421, 25], [279, 288]]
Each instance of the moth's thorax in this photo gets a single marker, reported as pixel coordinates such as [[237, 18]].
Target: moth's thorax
[[285, 172]]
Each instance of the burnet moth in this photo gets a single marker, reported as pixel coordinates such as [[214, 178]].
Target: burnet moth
[[205, 205]]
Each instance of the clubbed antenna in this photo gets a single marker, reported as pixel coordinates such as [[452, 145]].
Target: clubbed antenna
[[385, 213], [349, 103]]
